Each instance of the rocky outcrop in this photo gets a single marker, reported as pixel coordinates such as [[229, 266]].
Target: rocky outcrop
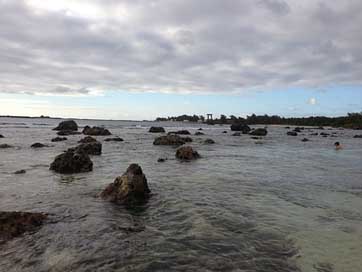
[[13, 224], [292, 133], [245, 129], [209, 141], [67, 132], [198, 133], [87, 139], [3, 146], [69, 125], [96, 131], [130, 188], [115, 139], [180, 132], [38, 145], [59, 139], [72, 161], [187, 153], [93, 148], [169, 140], [259, 132], [157, 130]]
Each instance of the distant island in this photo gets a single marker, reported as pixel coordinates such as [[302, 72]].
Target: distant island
[[352, 120]]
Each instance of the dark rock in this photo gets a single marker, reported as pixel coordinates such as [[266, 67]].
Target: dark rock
[[259, 132], [59, 139], [187, 139], [357, 136], [305, 140], [287, 127], [67, 125], [96, 131], [199, 133], [209, 141], [1, 136], [299, 129], [20, 172], [157, 130], [200, 129], [313, 134], [13, 224], [180, 132], [67, 132], [161, 160], [292, 133], [324, 134], [186, 153], [3, 146], [130, 188], [169, 140], [87, 139], [236, 134], [224, 132], [320, 128], [93, 148], [115, 139], [256, 138], [245, 129], [72, 161], [38, 145]]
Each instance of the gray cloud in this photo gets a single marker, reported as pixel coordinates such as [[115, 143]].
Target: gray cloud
[[178, 46]]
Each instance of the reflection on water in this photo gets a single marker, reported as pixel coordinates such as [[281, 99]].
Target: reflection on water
[[283, 205]]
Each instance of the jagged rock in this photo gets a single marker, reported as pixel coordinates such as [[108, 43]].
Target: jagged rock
[[67, 132], [72, 161], [59, 139], [305, 140], [259, 132], [96, 131], [209, 141], [180, 132], [115, 139], [169, 140], [130, 188], [199, 133], [3, 146], [292, 133], [357, 136], [20, 172], [245, 129], [186, 153], [13, 224], [157, 130], [92, 148], [69, 125], [38, 145], [87, 139]]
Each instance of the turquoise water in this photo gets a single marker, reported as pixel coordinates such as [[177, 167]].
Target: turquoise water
[[282, 205]]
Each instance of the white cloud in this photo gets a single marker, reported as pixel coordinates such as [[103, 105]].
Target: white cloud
[[312, 101]]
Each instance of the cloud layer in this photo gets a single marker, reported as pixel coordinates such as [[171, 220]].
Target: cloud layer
[[205, 46]]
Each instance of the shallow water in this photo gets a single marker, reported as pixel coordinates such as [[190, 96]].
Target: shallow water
[[283, 205]]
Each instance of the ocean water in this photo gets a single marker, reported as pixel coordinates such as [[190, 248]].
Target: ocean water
[[279, 205]]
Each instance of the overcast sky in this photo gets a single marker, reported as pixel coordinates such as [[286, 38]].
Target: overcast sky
[[107, 58]]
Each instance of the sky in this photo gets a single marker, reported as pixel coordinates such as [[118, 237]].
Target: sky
[[140, 59]]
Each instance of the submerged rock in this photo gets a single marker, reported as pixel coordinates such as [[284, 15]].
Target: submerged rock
[[3, 146], [305, 140], [169, 140], [187, 139], [96, 131], [157, 130], [256, 138], [59, 139], [200, 129], [87, 139], [298, 129], [357, 136], [324, 134], [72, 161], [209, 141], [161, 159], [13, 224], [259, 132], [69, 125], [187, 153], [292, 133], [224, 132], [67, 132], [93, 148], [314, 134], [130, 188], [198, 133], [1, 136], [236, 134], [245, 129], [22, 171], [38, 145], [180, 132], [115, 139]]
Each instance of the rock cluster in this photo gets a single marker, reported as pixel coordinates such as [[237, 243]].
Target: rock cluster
[[87, 139], [169, 140], [92, 148], [96, 131], [3, 146], [130, 188], [245, 129]]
